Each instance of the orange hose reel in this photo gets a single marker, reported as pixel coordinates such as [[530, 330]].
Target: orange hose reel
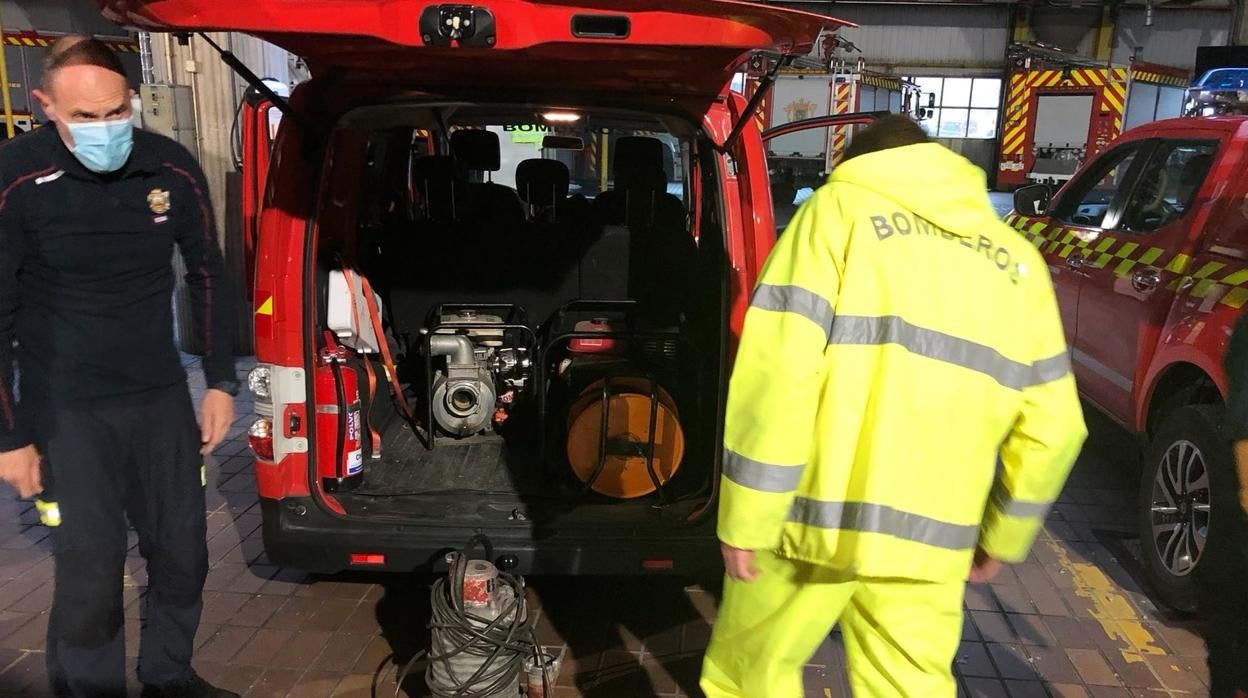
[[624, 474]]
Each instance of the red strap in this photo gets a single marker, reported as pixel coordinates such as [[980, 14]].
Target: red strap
[[374, 435], [387, 360]]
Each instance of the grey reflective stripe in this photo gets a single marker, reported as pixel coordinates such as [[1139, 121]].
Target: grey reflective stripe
[[1100, 369], [1051, 369], [757, 475], [797, 300], [877, 518], [1007, 505], [890, 329]]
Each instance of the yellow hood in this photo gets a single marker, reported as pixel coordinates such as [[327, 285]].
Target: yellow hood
[[928, 179]]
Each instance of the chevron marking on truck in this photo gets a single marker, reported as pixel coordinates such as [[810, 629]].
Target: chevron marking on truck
[[1211, 279]]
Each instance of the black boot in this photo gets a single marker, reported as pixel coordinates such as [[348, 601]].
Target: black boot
[[188, 688]]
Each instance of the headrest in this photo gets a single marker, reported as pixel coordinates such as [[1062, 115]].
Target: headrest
[[477, 150], [1195, 169], [435, 178], [542, 182], [434, 167], [639, 162]]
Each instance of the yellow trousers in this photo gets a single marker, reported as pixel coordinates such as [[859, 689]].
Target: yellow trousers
[[900, 635]]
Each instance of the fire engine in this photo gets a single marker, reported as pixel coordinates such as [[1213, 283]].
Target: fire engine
[[1061, 109], [1147, 244]]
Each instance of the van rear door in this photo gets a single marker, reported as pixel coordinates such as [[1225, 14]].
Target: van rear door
[[677, 47]]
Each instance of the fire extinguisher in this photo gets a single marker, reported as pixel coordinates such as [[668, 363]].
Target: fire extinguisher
[[340, 455]]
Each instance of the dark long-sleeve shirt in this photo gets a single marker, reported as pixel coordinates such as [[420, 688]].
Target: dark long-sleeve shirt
[[86, 277]]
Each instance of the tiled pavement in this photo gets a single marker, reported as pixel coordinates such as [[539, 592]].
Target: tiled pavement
[[1072, 621]]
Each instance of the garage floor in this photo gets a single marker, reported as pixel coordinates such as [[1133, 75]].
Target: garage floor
[[1075, 620]]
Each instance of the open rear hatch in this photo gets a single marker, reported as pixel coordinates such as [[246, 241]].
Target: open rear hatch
[[677, 47], [646, 51]]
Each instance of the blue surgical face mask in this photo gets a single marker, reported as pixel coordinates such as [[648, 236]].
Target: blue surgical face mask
[[103, 146]]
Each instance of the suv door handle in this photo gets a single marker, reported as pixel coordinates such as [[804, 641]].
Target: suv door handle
[[1146, 279], [1075, 261]]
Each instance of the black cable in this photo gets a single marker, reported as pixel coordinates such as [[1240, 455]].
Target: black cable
[[510, 637]]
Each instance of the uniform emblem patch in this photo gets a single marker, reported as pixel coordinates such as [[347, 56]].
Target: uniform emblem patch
[[158, 201]]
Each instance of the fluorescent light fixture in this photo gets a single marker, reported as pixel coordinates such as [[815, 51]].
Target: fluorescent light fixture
[[561, 117]]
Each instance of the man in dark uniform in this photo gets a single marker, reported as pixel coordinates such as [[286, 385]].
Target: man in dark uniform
[[90, 213], [1221, 593]]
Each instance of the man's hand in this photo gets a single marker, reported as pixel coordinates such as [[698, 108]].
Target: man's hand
[[984, 567], [20, 469], [216, 416], [739, 563]]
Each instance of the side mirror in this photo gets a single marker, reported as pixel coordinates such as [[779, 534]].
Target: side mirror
[[1032, 200]]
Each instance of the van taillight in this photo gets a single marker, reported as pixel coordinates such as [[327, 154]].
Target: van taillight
[[260, 438], [367, 559], [655, 564]]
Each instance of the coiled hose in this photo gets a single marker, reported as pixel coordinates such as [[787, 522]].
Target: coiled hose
[[499, 646]]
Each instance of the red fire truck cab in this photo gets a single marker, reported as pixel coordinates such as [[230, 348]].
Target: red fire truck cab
[[1148, 249], [504, 250]]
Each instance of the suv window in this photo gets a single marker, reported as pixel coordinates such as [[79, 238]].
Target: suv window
[[1167, 185], [1093, 195]]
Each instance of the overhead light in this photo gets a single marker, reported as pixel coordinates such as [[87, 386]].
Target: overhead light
[[561, 117]]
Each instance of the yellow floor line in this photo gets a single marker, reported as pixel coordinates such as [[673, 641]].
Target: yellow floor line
[[1112, 610]]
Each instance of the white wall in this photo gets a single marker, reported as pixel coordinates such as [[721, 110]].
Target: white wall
[[1174, 36]]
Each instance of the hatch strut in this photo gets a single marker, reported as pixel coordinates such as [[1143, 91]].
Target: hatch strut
[[760, 93], [252, 79]]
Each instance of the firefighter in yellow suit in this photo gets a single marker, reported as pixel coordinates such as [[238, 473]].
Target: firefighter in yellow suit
[[900, 417]]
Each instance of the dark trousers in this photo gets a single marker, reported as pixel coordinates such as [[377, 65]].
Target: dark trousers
[[138, 460], [1222, 598]]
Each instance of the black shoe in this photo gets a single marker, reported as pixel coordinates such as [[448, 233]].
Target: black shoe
[[189, 688]]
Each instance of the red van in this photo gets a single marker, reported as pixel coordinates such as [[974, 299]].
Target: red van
[[1148, 249], [504, 253]]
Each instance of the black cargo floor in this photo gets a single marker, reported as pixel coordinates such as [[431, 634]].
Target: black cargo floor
[[483, 464]]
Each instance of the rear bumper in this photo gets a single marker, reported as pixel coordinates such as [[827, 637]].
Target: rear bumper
[[299, 534]]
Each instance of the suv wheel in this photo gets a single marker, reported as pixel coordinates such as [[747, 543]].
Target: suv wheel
[[1176, 499]]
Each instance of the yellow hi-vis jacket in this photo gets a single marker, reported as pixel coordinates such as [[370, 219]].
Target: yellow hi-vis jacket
[[901, 343]]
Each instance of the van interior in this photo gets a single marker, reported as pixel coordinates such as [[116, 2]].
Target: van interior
[[552, 283]]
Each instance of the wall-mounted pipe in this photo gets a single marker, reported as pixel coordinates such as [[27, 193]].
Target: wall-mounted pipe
[[146, 66]]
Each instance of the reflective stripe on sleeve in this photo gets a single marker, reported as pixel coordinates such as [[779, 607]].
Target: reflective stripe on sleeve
[[933, 344], [1052, 368], [760, 476], [1017, 508], [796, 300], [878, 518]]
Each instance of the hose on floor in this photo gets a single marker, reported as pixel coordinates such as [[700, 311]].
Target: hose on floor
[[460, 640]]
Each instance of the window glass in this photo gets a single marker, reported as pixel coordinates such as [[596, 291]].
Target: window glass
[[951, 117], [982, 123], [1089, 200], [952, 123], [957, 93], [1167, 187], [930, 85], [986, 93]]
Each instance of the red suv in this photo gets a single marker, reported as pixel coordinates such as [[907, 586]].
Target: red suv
[[1148, 248]]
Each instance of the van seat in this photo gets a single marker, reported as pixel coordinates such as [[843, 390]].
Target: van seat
[[477, 150]]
